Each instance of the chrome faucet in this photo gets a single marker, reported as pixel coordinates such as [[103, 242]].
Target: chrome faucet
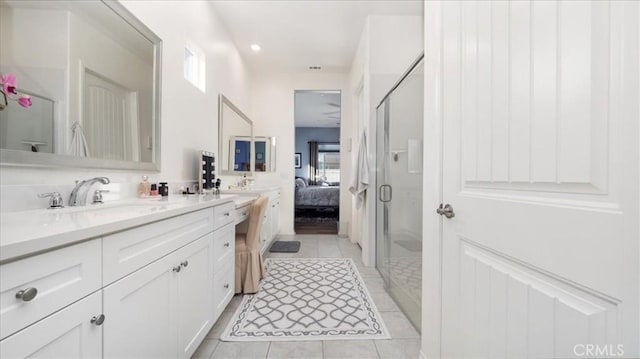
[[73, 198]]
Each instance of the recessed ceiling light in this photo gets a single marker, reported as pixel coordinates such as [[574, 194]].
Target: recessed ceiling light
[[255, 47]]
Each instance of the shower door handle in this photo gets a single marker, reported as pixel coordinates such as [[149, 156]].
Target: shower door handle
[[385, 193]]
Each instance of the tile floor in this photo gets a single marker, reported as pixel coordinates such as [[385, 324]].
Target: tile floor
[[405, 342]]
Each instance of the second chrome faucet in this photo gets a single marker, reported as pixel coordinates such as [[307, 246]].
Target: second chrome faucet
[[75, 199]]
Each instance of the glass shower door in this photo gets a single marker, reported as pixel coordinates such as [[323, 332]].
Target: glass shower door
[[399, 205], [382, 210]]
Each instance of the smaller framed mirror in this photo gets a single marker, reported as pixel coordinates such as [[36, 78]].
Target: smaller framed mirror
[[235, 136], [265, 159]]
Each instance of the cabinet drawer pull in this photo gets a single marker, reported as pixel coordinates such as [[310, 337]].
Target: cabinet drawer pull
[[176, 269], [227, 244], [98, 320], [226, 286], [185, 263], [227, 214], [27, 295]]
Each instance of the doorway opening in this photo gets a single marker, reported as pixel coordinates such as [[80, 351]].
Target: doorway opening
[[317, 161]]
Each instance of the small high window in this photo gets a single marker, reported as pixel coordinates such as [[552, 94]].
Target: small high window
[[194, 67]]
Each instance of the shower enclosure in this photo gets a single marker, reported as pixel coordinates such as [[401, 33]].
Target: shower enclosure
[[399, 191]]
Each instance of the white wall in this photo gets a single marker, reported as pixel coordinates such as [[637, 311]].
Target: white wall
[[273, 104], [388, 46], [189, 117]]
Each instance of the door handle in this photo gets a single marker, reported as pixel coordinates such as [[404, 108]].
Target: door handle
[[385, 188], [446, 211]]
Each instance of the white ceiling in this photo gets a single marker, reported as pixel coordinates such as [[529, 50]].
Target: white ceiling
[[317, 108], [296, 34]]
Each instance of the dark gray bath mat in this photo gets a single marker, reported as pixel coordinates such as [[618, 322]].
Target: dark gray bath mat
[[285, 247]]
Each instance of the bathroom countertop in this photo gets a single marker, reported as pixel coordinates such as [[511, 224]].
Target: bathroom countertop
[[242, 201], [250, 190], [30, 232]]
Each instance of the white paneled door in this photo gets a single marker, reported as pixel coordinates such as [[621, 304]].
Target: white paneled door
[[538, 103]]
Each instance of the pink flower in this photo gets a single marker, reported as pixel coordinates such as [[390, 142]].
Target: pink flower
[[9, 84], [24, 101]]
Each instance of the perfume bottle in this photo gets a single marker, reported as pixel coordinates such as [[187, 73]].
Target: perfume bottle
[[144, 187]]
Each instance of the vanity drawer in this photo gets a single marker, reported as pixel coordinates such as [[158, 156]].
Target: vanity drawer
[[224, 214], [224, 242], [127, 251], [60, 278], [223, 290], [242, 213]]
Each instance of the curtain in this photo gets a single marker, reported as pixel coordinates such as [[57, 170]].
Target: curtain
[[313, 162]]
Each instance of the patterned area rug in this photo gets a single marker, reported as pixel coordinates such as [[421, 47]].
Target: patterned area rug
[[307, 299]]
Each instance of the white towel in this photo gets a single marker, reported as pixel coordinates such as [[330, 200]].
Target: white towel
[[78, 145], [360, 178]]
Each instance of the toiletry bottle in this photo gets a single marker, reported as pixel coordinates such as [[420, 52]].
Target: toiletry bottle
[[164, 189], [154, 190], [144, 187]]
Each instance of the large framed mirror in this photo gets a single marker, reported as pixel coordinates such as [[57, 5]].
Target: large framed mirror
[[92, 72], [235, 139]]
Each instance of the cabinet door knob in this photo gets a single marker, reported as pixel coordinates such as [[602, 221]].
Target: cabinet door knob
[[98, 320], [227, 244], [226, 286], [27, 295], [176, 269], [185, 263]]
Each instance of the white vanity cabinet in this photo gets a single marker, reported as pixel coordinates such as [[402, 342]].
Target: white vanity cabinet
[[68, 333], [195, 294], [37, 286], [140, 312], [275, 217], [271, 222], [154, 290], [163, 309]]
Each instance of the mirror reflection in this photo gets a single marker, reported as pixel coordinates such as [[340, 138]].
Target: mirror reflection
[[235, 134], [241, 153], [89, 75], [265, 160]]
